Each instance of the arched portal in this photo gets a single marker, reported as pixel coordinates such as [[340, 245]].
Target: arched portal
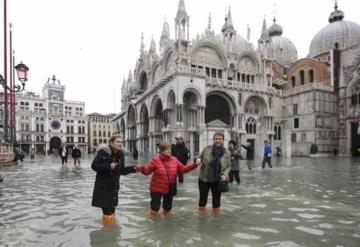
[[55, 144], [131, 140], [144, 129], [217, 108]]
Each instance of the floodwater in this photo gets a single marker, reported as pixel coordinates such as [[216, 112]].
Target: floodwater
[[300, 202]]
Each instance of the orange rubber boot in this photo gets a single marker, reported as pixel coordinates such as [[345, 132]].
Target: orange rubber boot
[[201, 209], [108, 220], [153, 213]]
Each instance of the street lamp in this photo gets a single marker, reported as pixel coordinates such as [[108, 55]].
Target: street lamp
[[21, 70]]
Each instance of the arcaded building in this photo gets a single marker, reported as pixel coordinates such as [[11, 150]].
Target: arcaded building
[[219, 81]]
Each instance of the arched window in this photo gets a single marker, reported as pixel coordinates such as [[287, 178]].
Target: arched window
[[311, 75], [302, 77], [355, 97], [293, 81], [277, 130], [250, 126]]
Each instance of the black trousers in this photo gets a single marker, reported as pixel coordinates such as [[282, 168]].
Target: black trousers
[[181, 177], [108, 211], [204, 188], [266, 159], [63, 160], [235, 174], [156, 201]]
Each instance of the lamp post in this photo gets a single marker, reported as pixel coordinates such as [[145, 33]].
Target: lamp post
[[21, 70]]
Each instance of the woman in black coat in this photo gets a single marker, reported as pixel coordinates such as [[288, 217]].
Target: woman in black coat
[[109, 165]]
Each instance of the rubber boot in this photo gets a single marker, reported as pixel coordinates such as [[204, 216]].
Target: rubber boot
[[108, 220], [216, 210]]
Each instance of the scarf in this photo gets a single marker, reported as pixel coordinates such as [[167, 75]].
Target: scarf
[[215, 164]]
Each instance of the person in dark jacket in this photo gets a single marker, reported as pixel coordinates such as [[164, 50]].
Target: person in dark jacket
[[234, 166], [180, 151], [76, 154], [135, 153], [109, 164], [164, 167], [249, 153]]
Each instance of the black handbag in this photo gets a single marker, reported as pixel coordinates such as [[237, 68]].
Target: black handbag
[[223, 186], [172, 189]]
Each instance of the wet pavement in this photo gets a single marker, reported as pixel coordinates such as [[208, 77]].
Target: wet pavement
[[300, 202]]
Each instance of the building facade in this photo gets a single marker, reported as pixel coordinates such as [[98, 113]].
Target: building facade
[[46, 122], [221, 82], [100, 129]]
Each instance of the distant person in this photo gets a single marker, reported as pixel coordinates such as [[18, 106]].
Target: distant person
[[235, 166], [109, 164], [157, 144], [278, 152], [267, 154], [19, 154], [335, 152], [180, 151], [135, 154], [76, 155], [32, 154], [64, 153], [249, 153]]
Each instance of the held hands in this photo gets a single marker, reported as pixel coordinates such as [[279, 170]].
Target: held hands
[[223, 178], [138, 168], [197, 160]]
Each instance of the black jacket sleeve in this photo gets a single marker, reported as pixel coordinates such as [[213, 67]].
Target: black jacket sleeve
[[101, 162]]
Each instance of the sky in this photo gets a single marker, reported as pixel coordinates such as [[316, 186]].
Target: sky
[[90, 45]]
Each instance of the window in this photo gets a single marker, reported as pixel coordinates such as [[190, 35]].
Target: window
[[207, 70], [213, 73], [293, 81], [302, 77], [293, 137], [277, 130], [303, 137], [94, 133], [311, 75], [250, 126], [295, 109], [296, 123]]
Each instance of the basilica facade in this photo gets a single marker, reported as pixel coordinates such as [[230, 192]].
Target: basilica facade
[[222, 82]]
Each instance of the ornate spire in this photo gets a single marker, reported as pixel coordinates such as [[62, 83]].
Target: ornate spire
[[209, 31], [152, 46], [181, 9], [248, 32], [336, 15], [264, 28], [228, 27], [182, 23], [130, 75], [209, 22], [166, 30], [142, 46]]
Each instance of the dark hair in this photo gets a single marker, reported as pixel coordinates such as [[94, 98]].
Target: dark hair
[[113, 138], [164, 145], [219, 134], [233, 142]]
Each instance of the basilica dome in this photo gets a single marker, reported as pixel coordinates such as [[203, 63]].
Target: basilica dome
[[338, 34], [281, 49]]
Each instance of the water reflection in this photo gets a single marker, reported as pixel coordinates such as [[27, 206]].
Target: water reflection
[[300, 202]]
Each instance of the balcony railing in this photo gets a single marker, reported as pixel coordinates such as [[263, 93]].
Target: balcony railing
[[308, 87]]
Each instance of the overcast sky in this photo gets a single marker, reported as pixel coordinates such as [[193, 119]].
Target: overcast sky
[[90, 45]]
